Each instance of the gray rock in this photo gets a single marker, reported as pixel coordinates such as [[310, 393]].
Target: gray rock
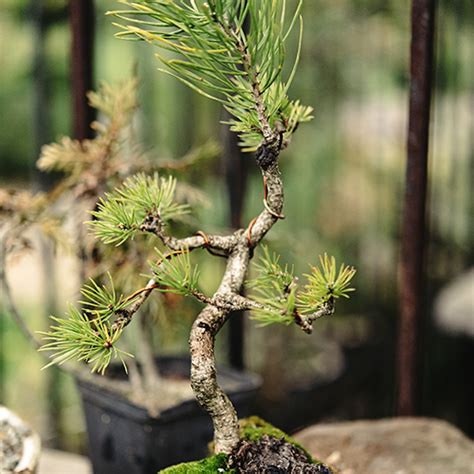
[[392, 446]]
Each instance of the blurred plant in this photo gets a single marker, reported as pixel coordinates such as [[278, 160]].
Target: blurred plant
[[91, 167], [87, 170], [213, 55]]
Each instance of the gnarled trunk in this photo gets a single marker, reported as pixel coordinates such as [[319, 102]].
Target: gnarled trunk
[[211, 319]]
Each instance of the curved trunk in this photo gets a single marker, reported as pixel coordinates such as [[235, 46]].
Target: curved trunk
[[204, 382], [211, 319]]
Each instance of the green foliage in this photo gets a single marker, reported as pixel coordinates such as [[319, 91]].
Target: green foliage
[[88, 336], [206, 46], [174, 273], [80, 339], [325, 283], [67, 155], [121, 214], [275, 288], [101, 300], [212, 464]]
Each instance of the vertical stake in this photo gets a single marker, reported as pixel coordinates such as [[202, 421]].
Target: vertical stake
[[235, 165], [236, 171], [82, 61], [411, 266], [82, 25]]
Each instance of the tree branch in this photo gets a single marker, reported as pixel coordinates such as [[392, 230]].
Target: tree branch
[[125, 316], [225, 243], [268, 133], [305, 321], [234, 302], [203, 369], [274, 196]]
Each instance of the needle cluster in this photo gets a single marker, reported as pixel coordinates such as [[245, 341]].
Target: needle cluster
[[231, 51], [281, 299]]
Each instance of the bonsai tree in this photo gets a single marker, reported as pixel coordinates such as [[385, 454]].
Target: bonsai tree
[[86, 170], [231, 51]]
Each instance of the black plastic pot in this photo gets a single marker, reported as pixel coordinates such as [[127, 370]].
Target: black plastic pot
[[125, 439]]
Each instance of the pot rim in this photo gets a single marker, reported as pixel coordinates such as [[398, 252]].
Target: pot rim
[[247, 382]]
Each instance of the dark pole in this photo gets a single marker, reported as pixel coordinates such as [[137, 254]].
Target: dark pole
[[235, 168], [82, 24], [236, 171], [41, 90], [82, 60], [411, 270]]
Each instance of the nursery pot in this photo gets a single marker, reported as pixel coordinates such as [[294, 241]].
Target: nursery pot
[[125, 439], [20, 446]]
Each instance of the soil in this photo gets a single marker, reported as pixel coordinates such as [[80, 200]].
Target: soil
[[168, 393], [271, 455], [11, 445]]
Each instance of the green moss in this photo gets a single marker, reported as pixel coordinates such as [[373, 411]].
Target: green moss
[[204, 466], [253, 428]]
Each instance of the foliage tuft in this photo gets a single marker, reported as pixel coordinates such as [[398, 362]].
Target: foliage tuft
[[121, 214], [231, 51], [275, 288], [88, 335], [117, 104], [325, 283], [174, 273]]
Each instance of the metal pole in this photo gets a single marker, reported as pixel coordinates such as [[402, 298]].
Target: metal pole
[[414, 214], [82, 60]]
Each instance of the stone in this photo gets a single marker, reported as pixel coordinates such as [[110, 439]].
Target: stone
[[391, 446]]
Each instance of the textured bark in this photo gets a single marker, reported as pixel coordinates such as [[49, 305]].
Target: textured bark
[[211, 319], [203, 370]]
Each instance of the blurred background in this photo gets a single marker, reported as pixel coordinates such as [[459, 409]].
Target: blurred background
[[344, 178]]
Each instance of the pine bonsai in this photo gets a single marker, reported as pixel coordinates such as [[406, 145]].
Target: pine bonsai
[[233, 52]]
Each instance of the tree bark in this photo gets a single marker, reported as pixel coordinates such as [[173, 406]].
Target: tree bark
[[203, 333]]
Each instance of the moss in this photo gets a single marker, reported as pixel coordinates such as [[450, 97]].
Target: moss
[[204, 466], [253, 428]]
